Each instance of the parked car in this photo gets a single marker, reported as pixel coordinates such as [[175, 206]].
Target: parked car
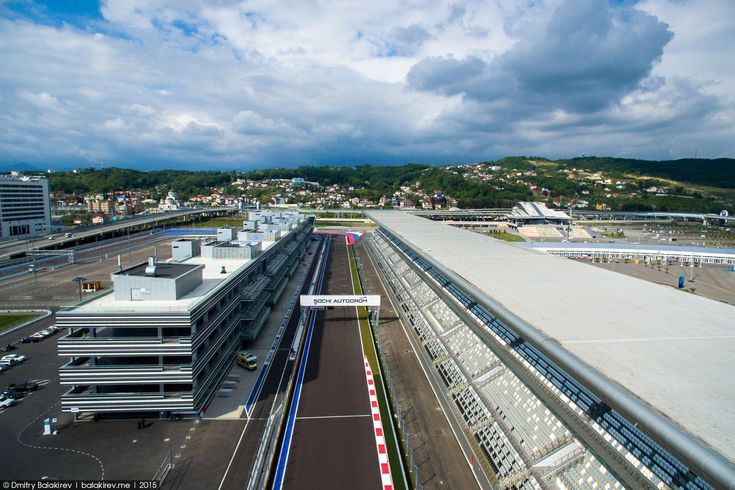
[[14, 358], [23, 386], [4, 367], [15, 395], [7, 348], [6, 402], [247, 360], [31, 339]]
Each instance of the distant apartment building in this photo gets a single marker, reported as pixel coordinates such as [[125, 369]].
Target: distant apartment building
[[100, 204], [25, 209], [162, 341]]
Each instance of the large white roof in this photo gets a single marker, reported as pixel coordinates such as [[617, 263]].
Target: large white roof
[[211, 278], [671, 348]]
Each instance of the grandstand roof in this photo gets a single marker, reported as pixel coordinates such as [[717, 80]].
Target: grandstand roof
[[536, 211], [671, 348]]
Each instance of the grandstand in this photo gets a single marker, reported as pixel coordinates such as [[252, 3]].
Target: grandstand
[[524, 400], [511, 426], [526, 213]]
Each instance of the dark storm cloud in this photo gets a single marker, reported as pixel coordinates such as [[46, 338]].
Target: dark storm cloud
[[587, 58]]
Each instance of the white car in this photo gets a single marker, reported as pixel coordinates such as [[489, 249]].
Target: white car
[[6, 402], [14, 358]]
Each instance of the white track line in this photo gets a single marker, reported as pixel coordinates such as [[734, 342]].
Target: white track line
[[334, 416]]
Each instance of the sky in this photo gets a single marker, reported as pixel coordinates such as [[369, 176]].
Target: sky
[[241, 84]]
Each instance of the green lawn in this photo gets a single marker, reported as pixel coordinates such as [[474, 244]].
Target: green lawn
[[9, 321], [507, 237], [395, 459]]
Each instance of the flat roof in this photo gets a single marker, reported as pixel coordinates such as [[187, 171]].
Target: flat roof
[[164, 270], [673, 349], [211, 278], [653, 248]]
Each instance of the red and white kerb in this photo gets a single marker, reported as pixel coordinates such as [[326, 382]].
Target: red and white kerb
[[378, 430]]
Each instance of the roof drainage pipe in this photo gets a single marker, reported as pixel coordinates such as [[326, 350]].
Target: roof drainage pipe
[[691, 451]]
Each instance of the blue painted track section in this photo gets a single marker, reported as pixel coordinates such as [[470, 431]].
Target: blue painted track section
[[286, 446]]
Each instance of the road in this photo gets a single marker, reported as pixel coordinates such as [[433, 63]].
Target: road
[[11, 248], [333, 443], [82, 254], [55, 288]]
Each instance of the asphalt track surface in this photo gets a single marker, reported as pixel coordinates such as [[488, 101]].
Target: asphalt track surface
[[213, 460], [333, 444]]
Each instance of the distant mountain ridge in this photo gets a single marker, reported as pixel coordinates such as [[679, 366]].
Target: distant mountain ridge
[[719, 172]]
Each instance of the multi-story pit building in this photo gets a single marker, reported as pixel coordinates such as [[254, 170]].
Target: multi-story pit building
[[162, 341]]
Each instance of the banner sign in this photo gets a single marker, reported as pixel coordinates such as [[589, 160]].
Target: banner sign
[[340, 300]]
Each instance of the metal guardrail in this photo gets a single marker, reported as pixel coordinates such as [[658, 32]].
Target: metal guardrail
[[163, 470]]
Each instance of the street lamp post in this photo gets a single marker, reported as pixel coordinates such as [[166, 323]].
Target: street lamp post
[[79, 280]]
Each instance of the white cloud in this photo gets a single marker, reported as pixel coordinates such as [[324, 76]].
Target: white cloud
[[181, 82]]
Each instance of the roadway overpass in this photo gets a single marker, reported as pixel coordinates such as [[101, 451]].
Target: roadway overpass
[[18, 248]]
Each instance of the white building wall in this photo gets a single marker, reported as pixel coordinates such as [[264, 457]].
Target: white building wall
[[25, 209]]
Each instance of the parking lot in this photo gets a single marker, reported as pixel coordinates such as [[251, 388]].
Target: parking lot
[[83, 450], [115, 449]]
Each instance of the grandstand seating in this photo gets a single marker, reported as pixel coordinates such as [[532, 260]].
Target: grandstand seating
[[436, 349], [451, 373], [470, 406], [423, 295], [530, 484], [585, 473], [499, 451], [401, 268], [422, 328], [536, 428], [473, 354], [444, 316]]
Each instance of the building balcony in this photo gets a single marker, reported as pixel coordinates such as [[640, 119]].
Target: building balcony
[[90, 374], [77, 346], [84, 399]]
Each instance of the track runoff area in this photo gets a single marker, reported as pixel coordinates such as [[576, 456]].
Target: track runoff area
[[338, 432]]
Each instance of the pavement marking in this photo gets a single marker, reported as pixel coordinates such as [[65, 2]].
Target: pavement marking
[[380, 445], [234, 453], [334, 416], [34, 446]]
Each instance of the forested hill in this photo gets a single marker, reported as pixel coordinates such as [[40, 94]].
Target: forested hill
[[380, 180], [718, 172]]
